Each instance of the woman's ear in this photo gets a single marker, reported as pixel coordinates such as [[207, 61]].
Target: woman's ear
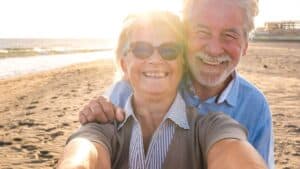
[[124, 67]]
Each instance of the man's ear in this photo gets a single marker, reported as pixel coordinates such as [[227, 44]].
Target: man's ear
[[245, 49]]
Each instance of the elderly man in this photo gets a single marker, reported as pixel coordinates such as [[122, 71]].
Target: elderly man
[[217, 36]]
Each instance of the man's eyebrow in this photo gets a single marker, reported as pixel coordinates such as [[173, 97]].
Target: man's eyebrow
[[200, 26], [233, 30]]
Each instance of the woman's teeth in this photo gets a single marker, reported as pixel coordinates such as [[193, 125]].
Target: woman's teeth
[[155, 74]]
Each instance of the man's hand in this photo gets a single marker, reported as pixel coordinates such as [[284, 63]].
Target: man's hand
[[102, 111]]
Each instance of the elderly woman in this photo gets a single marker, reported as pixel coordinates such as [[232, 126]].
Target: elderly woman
[[159, 131]]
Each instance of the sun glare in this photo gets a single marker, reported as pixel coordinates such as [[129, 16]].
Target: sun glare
[[72, 19], [146, 5], [126, 7]]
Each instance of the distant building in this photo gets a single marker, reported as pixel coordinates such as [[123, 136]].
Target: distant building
[[283, 27], [279, 31]]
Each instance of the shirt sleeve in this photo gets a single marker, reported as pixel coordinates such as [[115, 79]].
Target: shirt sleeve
[[119, 93], [95, 132], [262, 138], [214, 127]]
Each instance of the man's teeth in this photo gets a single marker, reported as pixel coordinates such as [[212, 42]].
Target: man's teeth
[[155, 75], [210, 62]]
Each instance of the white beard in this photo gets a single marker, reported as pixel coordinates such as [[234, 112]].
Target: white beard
[[213, 77]]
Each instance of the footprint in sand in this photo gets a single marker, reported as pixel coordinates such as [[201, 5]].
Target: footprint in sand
[[45, 154], [293, 128], [46, 108], [56, 134], [66, 95], [5, 143], [35, 161], [296, 130], [279, 114], [30, 107], [34, 102], [17, 148], [4, 110], [12, 126], [21, 97], [28, 123], [17, 139], [54, 97], [61, 115], [50, 129], [29, 147], [29, 113], [65, 124], [73, 90]]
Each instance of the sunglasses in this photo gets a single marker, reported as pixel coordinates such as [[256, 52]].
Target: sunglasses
[[143, 50]]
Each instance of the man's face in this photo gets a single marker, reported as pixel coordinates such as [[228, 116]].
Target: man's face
[[216, 40]]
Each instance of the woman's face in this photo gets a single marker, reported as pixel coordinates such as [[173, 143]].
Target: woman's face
[[151, 73]]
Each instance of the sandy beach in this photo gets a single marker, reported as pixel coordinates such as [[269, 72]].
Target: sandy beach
[[39, 111]]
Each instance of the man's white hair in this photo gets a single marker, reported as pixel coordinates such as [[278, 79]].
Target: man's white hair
[[249, 6]]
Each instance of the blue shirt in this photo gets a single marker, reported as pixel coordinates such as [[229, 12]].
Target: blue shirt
[[240, 100]]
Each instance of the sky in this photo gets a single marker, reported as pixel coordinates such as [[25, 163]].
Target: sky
[[100, 18]]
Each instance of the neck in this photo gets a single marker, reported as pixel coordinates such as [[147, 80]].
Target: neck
[[152, 107], [205, 92], [150, 112]]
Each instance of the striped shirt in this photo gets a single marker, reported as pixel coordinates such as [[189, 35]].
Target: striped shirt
[[161, 138]]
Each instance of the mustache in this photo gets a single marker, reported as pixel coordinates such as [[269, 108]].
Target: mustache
[[207, 57]]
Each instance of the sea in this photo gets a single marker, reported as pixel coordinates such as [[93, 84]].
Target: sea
[[22, 56]]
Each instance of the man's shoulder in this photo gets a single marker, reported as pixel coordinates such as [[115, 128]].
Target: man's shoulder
[[252, 101], [119, 92], [249, 90]]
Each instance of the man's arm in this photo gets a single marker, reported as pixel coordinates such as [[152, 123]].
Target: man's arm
[[105, 110], [234, 154], [83, 154], [262, 138]]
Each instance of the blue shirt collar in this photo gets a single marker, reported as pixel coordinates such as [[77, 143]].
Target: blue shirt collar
[[228, 95], [176, 113]]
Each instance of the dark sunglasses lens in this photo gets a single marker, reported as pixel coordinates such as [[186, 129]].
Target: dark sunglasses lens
[[142, 49], [169, 51]]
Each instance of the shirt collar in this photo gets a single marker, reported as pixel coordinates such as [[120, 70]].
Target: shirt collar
[[229, 94], [176, 113]]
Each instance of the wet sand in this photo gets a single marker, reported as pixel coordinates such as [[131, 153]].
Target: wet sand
[[39, 111]]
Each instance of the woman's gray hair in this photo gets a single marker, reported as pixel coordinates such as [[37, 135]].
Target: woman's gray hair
[[249, 6]]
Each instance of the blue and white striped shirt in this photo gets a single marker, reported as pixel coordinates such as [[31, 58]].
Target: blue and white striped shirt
[[161, 138]]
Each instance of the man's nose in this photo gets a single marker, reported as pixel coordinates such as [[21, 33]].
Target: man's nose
[[214, 47]]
